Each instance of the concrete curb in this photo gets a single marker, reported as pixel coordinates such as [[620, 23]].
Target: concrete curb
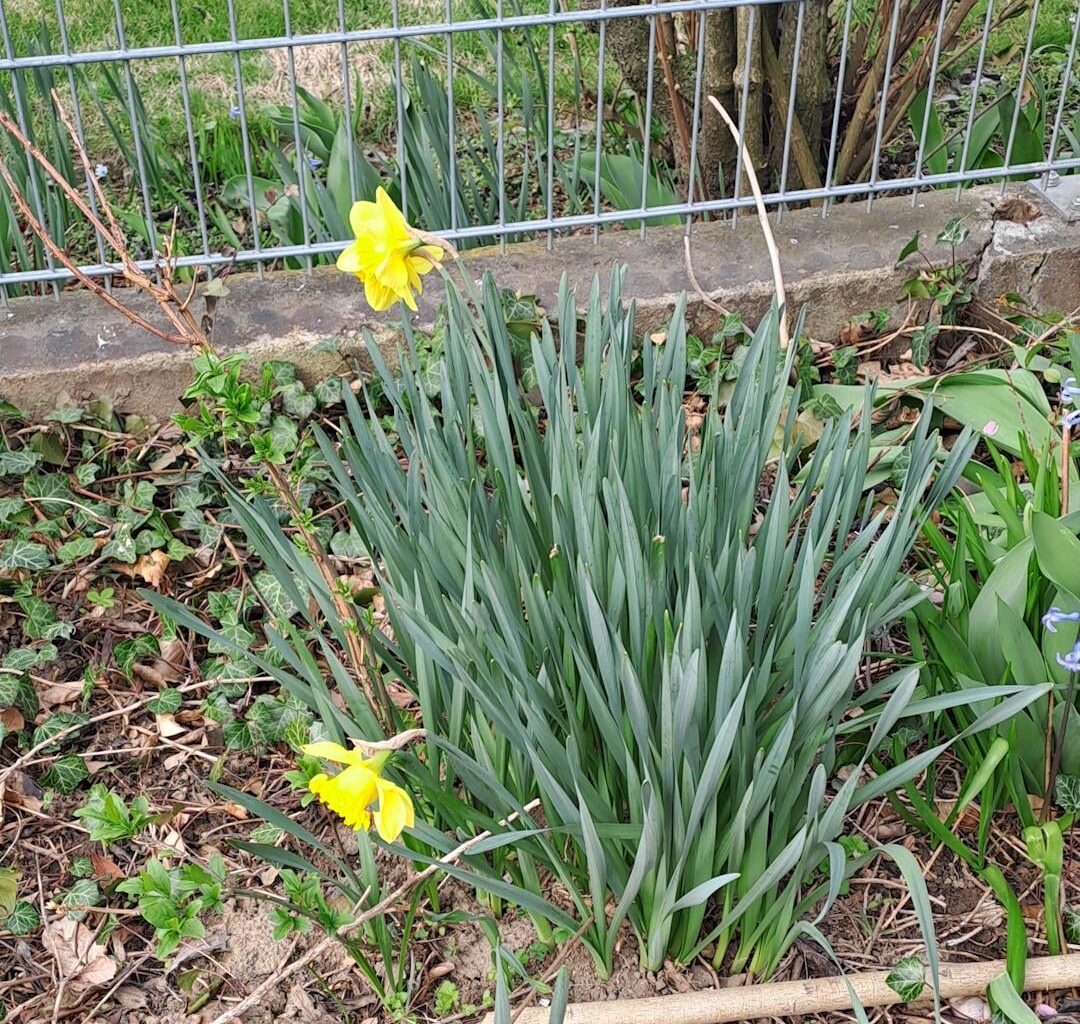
[[838, 267]]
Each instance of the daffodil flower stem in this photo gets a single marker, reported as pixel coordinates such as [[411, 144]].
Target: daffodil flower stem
[[289, 966]]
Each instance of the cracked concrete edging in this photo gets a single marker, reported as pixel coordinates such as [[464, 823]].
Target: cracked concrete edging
[[838, 268]]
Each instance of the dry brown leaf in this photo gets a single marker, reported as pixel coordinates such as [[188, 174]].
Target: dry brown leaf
[[82, 961], [105, 867], [151, 567], [234, 810], [19, 790], [168, 726], [61, 693], [901, 371], [868, 370], [973, 1008], [12, 719]]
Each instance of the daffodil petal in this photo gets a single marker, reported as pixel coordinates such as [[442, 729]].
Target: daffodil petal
[[349, 794], [363, 216], [379, 297], [332, 752], [349, 259], [395, 811]]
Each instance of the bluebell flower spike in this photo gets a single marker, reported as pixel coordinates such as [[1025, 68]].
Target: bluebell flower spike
[[1070, 661], [1056, 615]]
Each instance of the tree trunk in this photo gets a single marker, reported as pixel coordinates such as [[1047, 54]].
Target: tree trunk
[[811, 82], [716, 147], [749, 63], [674, 85]]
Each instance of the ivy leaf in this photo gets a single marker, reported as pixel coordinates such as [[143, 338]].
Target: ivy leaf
[[921, 340], [122, 545], [81, 867], [908, 978], [22, 659], [1067, 793], [347, 544], [912, 245], [76, 548], [297, 401], [66, 773], [56, 724], [18, 692], [283, 434], [1071, 922], [954, 232], [23, 554], [51, 492], [328, 392], [84, 893], [18, 463], [23, 919], [273, 593], [166, 702], [127, 652], [237, 735], [86, 473]]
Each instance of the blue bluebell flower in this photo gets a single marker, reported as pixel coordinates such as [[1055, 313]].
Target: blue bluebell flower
[[1071, 661], [314, 163], [101, 171], [1069, 390], [1072, 419], [1056, 615], [234, 112]]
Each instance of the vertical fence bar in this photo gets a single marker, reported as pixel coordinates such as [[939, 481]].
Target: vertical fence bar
[[23, 122], [975, 91], [76, 110], [346, 99], [193, 150], [551, 126], [1066, 78], [302, 169], [1019, 98], [646, 127], [500, 138], [837, 103], [241, 113], [451, 117], [699, 74], [791, 107], [928, 106], [885, 79], [399, 98], [599, 122], [743, 100], [140, 157]]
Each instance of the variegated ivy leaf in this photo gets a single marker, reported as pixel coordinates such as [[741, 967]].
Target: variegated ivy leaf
[[66, 773], [23, 554], [908, 978], [22, 920], [273, 593]]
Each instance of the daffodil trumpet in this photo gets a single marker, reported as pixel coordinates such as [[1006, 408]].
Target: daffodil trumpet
[[358, 793], [389, 256]]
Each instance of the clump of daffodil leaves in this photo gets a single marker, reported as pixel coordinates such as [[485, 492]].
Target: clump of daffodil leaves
[[388, 256], [358, 793]]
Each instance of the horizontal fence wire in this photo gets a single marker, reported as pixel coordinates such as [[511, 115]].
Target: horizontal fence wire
[[492, 121]]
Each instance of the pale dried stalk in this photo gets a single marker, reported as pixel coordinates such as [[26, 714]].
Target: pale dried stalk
[[763, 218]]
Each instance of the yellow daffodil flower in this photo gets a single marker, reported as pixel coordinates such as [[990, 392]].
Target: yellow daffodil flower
[[387, 256], [358, 794]]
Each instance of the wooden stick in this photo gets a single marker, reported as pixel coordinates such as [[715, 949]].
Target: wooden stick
[[813, 995]]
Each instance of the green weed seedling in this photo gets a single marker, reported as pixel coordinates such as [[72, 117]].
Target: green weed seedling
[[109, 818]]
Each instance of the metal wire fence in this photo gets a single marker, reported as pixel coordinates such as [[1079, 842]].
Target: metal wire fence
[[244, 136]]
